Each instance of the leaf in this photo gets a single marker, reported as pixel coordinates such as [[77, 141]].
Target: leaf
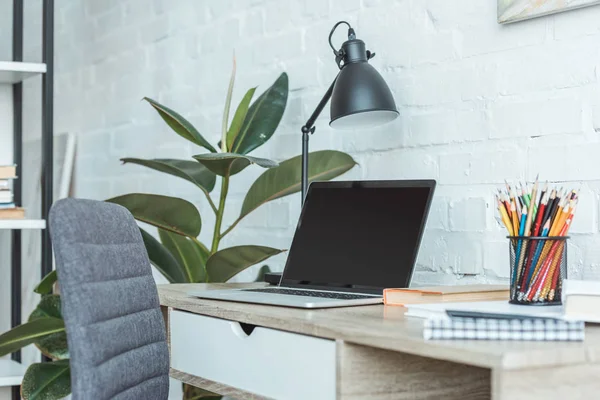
[[191, 257], [226, 263], [47, 284], [55, 345], [163, 260], [227, 164], [28, 333], [239, 117], [260, 277], [191, 171], [227, 107], [48, 307], [180, 125], [286, 179], [263, 117], [47, 381], [170, 213]]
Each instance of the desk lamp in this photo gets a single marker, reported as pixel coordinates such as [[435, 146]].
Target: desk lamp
[[360, 98]]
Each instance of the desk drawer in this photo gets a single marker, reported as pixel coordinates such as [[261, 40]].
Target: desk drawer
[[268, 362]]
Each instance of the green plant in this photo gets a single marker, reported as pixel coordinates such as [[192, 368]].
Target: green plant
[[178, 254]]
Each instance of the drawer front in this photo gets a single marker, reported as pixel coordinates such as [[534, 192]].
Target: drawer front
[[268, 362]]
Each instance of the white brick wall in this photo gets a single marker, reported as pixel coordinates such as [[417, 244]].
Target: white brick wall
[[479, 102]]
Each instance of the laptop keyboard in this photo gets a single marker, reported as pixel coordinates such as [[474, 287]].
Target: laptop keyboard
[[310, 293]]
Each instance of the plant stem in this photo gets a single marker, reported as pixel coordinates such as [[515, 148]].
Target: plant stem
[[210, 202], [220, 213], [230, 228]]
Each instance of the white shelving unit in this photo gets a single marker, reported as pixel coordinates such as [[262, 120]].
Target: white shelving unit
[[14, 72], [22, 224], [11, 373]]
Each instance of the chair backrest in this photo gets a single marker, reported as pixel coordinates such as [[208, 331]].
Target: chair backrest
[[115, 329]]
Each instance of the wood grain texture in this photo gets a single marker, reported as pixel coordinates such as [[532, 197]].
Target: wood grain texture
[[214, 387], [572, 382], [369, 373], [384, 328]]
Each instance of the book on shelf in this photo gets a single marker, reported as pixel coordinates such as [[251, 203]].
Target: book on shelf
[[12, 213], [6, 196], [4, 206], [4, 184], [8, 171], [581, 300], [439, 294]]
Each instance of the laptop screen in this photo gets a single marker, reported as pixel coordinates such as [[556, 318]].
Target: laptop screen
[[358, 236]]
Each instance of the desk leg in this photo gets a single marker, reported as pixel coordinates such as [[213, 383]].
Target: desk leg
[[573, 382], [165, 313], [368, 373]]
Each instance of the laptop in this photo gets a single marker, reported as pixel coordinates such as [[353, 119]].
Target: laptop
[[353, 239]]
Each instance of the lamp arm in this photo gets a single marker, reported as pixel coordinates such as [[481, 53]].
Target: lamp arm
[[308, 129]]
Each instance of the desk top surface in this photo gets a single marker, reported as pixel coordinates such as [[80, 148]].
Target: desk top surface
[[385, 327]]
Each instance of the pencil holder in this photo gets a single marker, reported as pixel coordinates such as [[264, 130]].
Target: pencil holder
[[538, 266]]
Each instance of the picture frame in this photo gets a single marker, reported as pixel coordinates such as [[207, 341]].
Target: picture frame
[[510, 11]]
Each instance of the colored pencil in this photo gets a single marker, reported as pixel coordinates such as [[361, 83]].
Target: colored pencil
[[536, 218]]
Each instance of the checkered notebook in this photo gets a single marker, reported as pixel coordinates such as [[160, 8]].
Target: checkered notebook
[[504, 329]]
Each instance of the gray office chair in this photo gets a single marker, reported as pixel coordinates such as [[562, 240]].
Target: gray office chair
[[115, 329]]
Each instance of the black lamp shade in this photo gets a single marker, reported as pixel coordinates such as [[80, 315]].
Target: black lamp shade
[[361, 98]]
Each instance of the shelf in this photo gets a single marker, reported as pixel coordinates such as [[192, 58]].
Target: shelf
[[11, 373], [22, 224], [13, 72]]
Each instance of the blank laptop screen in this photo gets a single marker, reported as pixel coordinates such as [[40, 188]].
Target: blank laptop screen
[[358, 236]]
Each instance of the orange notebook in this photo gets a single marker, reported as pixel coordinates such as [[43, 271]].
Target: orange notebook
[[8, 171], [12, 213], [439, 294]]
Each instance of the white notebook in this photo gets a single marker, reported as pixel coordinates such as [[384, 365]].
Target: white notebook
[[438, 310], [504, 329]]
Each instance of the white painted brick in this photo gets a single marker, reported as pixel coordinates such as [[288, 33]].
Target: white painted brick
[[479, 80], [596, 117], [577, 23], [468, 215], [343, 6], [544, 68], [308, 10], [387, 137], [438, 214], [576, 247], [434, 128], [465, 254], [446, 127], [492, 37], [586, 219], [566, 163], [496, 258], [536, 118], [430, 86], [401, 165], [253, 24], [278, 16], [483, 167]]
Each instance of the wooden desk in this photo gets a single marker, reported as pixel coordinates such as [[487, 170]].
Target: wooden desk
[[368, 352]]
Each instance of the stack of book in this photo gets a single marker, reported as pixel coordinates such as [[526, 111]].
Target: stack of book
[[8, 209], [581, 300]]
